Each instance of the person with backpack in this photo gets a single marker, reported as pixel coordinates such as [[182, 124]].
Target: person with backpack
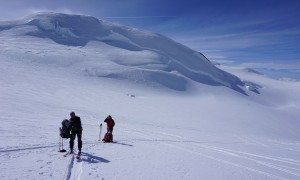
[[110, 123], [76, 130], [108, 137]]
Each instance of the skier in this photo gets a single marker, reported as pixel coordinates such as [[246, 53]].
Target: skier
[[76, 129], [108, 137], [110, 123]]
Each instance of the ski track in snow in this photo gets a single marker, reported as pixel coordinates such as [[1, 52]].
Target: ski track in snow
[[74, 169], [261, 164], [75, 166], [289, 167], [68, 172]]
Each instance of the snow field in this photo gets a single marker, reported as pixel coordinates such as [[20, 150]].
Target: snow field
[[202, 131]]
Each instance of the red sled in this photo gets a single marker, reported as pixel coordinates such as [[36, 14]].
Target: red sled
[[108, 137]]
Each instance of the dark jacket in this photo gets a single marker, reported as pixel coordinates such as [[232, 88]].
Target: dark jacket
[[75, 124], [110, 122]]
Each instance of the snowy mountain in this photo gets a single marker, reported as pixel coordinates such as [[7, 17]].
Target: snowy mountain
[[177, 115], [125, 53]]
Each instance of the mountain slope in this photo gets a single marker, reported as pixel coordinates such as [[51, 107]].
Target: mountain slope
[[135, 55]]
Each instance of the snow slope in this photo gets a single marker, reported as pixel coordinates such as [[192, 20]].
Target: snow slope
[[204, 132], [123, 52]]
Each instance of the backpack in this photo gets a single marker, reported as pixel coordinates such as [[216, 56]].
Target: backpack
[[65, 129], [108, 137]]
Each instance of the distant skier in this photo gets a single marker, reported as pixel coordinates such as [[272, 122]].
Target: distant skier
[[76, 129], [108, 137], [110, 123]]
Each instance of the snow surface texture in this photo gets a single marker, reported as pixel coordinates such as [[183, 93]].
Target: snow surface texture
[[204, 132]]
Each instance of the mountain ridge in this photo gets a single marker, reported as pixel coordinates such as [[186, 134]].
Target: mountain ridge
[[153, 56]]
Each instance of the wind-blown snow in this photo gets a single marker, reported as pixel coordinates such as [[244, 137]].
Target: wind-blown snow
[[199, 132]]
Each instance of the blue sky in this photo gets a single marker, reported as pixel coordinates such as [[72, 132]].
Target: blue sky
[[261, 34]]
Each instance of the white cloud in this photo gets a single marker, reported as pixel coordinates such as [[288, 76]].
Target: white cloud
[[21, 13], [288, 66], [58, 10], [137, 17]]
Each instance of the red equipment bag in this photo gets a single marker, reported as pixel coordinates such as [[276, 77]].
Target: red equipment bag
[[108, 137]]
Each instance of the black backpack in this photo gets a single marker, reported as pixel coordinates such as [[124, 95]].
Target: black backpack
[[65, 129]]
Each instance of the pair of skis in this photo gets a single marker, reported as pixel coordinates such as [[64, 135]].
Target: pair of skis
[[77, 156]]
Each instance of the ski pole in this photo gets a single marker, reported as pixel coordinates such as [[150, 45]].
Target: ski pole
[[62, 142], [59, 143]]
